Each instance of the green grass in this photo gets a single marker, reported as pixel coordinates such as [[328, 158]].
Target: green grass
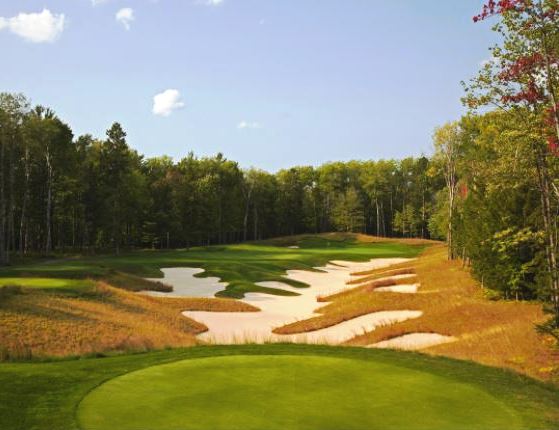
[[271, 386], [67, 287], [239, 265], [279, 392], [254, 386], [46, 283]]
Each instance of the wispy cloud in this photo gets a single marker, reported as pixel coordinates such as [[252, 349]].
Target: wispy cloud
[[210, 2], [165, 103], [97, 2], [35, 27], [125, 16], [248, 125]]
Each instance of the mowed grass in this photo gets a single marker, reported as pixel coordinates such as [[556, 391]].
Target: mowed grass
[[279, 392], [271, 386], [239, 265], [47, 283]]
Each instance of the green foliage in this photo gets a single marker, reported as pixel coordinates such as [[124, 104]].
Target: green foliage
[[497, 226], [515, 261], [347, 214], [87, 194], [438, 221], [407, 222]]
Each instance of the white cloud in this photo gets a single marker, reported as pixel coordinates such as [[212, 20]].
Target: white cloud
[[96, 2], [35, 27], [210, 2], [125, 16], [166, 102], [247, 124]]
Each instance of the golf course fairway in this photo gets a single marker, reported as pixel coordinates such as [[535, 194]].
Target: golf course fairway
[[290, 392]]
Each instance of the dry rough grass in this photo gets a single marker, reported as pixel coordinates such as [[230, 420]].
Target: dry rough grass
[[368, 287], [369, 275], [497, 333], [339, 236], [409, 241], [36, 324]]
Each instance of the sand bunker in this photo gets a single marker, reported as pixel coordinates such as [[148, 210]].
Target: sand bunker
[[256, 327], [414, 341], [186, 285], [402, 288], [356, 282], [276, 311], [375, 263]]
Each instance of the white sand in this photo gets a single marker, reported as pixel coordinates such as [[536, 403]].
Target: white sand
[[365, 281], [375, 263], [333, 277], [256, 327], [402, 288], [186, 285], [276, 311], [414, 341]]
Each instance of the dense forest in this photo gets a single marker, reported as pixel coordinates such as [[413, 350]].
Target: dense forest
[[60, 193], [490, 187]]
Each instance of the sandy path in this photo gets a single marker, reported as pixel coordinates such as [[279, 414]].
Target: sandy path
[[414, 341]]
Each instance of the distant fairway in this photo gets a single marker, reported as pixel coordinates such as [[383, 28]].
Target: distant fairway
[[290, 392], [241, 266]]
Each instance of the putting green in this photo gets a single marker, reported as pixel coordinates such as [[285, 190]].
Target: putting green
[[290, 392]]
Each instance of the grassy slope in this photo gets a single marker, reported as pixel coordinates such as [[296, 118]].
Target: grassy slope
[[46, 395], [239, 265], [53, 308], [373, 396], [38, 323], [498, 333]]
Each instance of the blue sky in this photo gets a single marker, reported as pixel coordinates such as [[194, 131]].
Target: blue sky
[[270, 83]]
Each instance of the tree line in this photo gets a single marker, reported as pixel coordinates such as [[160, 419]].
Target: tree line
[[501, 161], [60, 193]]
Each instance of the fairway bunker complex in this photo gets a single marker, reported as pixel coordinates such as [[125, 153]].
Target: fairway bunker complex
[[278, 310]]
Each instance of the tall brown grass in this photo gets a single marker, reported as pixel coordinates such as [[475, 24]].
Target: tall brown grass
[[498, 333], [370, 275], [36, 324]]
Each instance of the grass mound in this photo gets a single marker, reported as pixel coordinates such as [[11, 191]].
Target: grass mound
[[254, 383], [310, 388], [68, 306], [290, 392]]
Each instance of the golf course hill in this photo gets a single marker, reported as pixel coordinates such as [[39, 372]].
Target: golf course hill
[[324, 331]]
